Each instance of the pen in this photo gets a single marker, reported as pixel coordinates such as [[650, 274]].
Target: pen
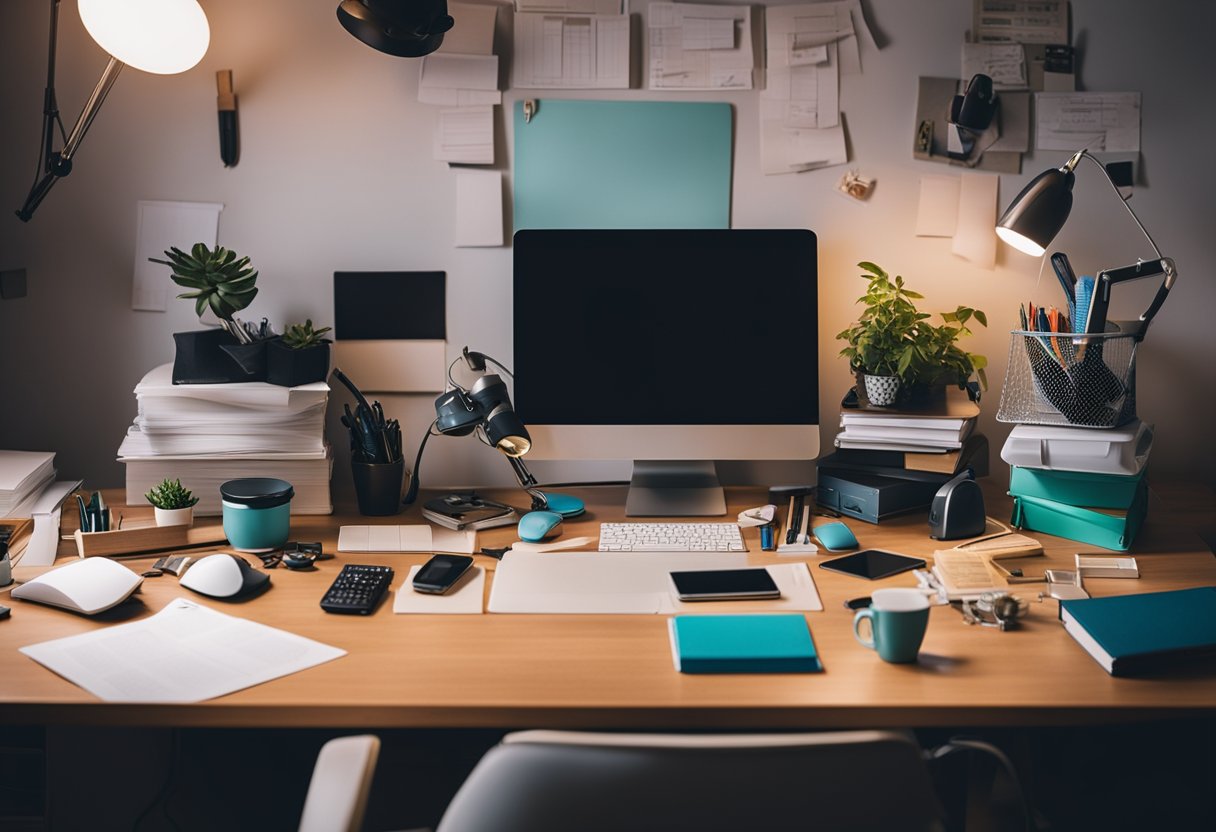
[[768, 538]]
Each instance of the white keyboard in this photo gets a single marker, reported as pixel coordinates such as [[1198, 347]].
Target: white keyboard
[[671, 537]]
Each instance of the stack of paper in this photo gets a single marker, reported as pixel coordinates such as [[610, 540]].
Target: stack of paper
[[23, 475], [571, 44], [206, 434], [809, 46], [463, 76], [900, 432]]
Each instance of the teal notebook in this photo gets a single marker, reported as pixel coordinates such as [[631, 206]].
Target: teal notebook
[[743, 644], [1130, 634]]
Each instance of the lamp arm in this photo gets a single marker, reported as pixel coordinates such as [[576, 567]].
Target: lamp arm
[[415, 481], [528, 483], [1076, 160]]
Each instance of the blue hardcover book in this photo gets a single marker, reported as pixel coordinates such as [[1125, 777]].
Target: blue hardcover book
[[743, 644], [1129, 634]]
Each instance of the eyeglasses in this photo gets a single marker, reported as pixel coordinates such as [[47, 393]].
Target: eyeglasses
[[294, 555]]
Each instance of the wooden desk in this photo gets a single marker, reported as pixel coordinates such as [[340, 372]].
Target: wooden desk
[[600, 671]]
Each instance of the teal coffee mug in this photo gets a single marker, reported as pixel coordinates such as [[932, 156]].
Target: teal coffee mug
[[898, 618]]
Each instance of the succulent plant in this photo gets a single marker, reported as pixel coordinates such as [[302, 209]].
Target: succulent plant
[[169, 495], [302, 336], [218, 277]]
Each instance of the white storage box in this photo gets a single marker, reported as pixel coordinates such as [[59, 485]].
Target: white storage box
[[1123, 450]]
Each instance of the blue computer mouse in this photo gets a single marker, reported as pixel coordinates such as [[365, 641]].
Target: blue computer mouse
[[835, 537], [536, 526]]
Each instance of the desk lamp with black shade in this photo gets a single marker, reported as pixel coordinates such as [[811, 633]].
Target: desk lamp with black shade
[[484, 409], [1037, 214], [163, 38], [405, 28]]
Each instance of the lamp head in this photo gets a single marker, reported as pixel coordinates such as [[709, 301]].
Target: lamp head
[[164, 37], [456, 414], [405, 28], [1037, 214], [504, 429]]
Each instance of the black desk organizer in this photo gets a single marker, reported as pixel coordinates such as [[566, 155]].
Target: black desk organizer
[[1074, 380], [213, 356]]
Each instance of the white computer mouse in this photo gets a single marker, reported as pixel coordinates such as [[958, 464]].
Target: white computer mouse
[[87, 586], [224, 576]]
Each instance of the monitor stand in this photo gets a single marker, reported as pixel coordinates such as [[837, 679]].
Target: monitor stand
[[686, 488]]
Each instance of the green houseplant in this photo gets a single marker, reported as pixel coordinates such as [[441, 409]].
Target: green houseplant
[[896, 345], [301, 356], [225, 283], [173, 503]]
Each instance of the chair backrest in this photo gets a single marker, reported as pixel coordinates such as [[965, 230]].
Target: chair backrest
[[341, 780], [544, 781]]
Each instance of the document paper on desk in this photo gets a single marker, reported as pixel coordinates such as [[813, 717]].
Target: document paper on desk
[[629, 583], [184, 653], [700, 47]]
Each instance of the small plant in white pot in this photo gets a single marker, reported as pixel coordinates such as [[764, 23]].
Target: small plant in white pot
[[173, 504]]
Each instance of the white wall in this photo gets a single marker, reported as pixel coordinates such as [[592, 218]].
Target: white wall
[[335, 173]]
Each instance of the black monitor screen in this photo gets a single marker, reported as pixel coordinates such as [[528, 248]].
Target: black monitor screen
[[668, 327]]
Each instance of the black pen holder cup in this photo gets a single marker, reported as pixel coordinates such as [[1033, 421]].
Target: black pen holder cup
[[213, 356], [1071, 380], [378, 487]]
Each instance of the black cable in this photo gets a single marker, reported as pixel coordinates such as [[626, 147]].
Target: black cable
[[582, 484], [415, 481]]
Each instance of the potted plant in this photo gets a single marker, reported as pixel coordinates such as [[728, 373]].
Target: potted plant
[[301, 356], [173, 504], [896, 349], [224, 283]]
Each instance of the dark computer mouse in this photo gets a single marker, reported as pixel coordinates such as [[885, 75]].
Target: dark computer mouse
[[224, 576], [536, 526]]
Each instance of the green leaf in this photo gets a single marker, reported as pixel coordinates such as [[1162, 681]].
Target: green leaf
[[914, 295], [200, 252], [867, 266], [981, 317]]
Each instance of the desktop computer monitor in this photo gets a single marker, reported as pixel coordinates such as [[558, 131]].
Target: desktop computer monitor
[[671, 348]]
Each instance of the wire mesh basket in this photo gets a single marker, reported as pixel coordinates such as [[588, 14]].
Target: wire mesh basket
[[1081, 380]]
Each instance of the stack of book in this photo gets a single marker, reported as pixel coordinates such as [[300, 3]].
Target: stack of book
[[892, 460], [207, 434], [23, 477]]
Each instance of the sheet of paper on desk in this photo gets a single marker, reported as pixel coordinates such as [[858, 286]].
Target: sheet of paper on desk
[[1100, 121], [405, 539], [464, 599], [578, 52], [699, 47], [158, 226], [478, 208], [184, 653], [465, 136], [627, 582]]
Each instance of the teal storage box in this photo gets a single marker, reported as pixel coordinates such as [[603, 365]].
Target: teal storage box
[[1109, 529], [1076, 488]]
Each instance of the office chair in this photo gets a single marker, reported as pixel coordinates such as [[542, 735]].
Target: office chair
[[544, 781], [341, 779]]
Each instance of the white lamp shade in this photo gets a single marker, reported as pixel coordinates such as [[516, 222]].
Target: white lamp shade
[[159, 36], [1020, 242]]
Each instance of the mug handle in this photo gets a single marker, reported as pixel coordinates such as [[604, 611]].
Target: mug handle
[[864, 613]]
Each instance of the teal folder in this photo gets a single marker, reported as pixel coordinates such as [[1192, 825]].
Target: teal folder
[[623, 164], [743, 644], [1130, 634]]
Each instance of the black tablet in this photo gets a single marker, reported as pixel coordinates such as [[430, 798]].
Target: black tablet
[[872, 564]]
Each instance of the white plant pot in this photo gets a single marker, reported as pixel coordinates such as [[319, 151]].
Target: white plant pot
[[174, 516], [881, 390]]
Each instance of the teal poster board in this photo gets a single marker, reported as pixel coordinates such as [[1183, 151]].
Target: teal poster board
[[623, 164]]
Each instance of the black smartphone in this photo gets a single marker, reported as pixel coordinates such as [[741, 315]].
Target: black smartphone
[[724, 585], [440, 573], [857, 603], [873, 564]]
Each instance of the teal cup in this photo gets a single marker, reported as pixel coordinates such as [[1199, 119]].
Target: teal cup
[[257, 513], [898, 618]]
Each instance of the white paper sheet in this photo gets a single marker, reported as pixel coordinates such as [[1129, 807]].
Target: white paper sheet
[[700, 47], [463, 599], [473, 33], [785, 149], [450, 97], [400, 539], [479, 208], [465, 136], [158, 226], [975, 237], [1100, 121], [571, 6], [554, 51], [462, 72], [184, 653], [1020, 21], [794, 30], [1004, 63], [937, 211]]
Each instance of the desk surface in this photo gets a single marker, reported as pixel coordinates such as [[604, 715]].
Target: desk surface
[[600, 671]]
